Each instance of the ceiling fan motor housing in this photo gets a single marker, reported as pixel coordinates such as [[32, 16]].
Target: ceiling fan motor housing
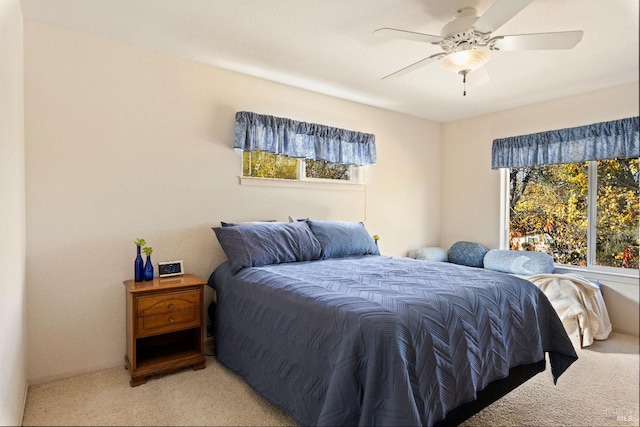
[[463, 21], [459, 34]]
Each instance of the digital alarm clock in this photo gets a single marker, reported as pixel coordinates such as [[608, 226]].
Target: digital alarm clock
[[170, 268]]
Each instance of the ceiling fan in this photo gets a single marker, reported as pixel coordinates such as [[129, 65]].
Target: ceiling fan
[[467, 41]]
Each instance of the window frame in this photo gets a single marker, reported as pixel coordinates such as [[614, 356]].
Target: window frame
[[591, 231], [357, 181]]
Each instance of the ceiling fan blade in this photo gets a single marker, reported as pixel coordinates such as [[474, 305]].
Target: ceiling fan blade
[[414, 66], [538, 41], [498, 14], [407, 35], [478, 77]]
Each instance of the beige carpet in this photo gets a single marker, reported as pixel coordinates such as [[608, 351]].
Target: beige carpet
[[601, 388]]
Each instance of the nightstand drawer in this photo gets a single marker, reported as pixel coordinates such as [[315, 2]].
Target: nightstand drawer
[[166, 322], [158, 304], [165, 313]]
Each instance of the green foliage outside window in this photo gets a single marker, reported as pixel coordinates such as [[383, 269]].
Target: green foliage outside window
[[326, 170], [618, 207], [549, 206], [262, 164]]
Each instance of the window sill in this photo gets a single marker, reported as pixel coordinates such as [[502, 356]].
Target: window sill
[[597, 274], [290, 183]]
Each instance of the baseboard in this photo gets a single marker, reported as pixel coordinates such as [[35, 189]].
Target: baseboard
[[69, 374], [623, 331]]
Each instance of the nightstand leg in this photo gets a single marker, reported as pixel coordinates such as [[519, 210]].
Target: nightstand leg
[[136, 381]]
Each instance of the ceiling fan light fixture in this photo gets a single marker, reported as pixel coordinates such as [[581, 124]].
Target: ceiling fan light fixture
[[468, 59]]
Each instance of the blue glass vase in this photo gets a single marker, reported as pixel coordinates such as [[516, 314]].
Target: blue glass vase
[[138, 267], [148, 269]]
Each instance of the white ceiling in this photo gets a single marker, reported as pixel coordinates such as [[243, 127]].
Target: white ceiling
[[328, 46]]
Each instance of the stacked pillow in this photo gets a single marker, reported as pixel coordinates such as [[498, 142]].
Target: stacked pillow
[[340, 239], [262, 243]]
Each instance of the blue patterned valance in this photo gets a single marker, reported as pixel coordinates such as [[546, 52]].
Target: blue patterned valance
[[617, 139], [312, 141]]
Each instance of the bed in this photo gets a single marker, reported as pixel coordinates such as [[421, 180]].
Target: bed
[[322, 326]]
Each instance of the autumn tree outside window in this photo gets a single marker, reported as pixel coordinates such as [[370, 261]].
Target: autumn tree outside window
[[549, 211]]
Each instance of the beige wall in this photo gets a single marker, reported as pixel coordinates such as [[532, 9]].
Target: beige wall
[[471, 189], [124, 143], [13, 336]]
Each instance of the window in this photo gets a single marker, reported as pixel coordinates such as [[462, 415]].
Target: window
[[574, 193], [286, 149], [583, 214], [260, 164]]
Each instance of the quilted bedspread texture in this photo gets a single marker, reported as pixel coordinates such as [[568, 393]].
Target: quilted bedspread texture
[[377, 340]]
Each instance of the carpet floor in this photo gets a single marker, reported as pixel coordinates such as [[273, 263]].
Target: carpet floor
[[600, 389]]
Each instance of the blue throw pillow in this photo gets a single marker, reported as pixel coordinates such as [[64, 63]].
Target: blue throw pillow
[[257, 244], [467, 253], [519, 262], [340, 239]]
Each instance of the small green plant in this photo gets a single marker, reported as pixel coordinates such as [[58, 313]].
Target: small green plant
[[148, 250], [376, 238], [140, 242]]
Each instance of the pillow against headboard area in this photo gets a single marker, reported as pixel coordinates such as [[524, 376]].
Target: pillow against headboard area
[[233, 224], [340, 239], [519, 262], [292, 219], [264, 243]]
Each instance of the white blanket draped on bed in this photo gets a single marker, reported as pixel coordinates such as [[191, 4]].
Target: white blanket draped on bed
[[572, 295]]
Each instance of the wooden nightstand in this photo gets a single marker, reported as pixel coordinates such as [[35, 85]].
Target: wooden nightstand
[[165, 325]]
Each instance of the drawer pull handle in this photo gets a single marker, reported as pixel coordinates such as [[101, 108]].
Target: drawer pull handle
[[170, 319], [170, 305]]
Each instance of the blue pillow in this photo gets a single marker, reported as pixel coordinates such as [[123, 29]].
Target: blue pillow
[[467, 253], [234, 224], [430, 253], [257, 244], [519, 262], [340, 239]]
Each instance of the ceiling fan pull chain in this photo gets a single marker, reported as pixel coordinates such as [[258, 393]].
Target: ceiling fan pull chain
[[464, 82]]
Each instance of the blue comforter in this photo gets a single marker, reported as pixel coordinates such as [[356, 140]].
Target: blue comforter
[[376, 340]]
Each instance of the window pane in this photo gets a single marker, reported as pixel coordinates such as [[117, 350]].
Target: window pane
[[618, 217], [262, 164], [326, 170], [548, 211]]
